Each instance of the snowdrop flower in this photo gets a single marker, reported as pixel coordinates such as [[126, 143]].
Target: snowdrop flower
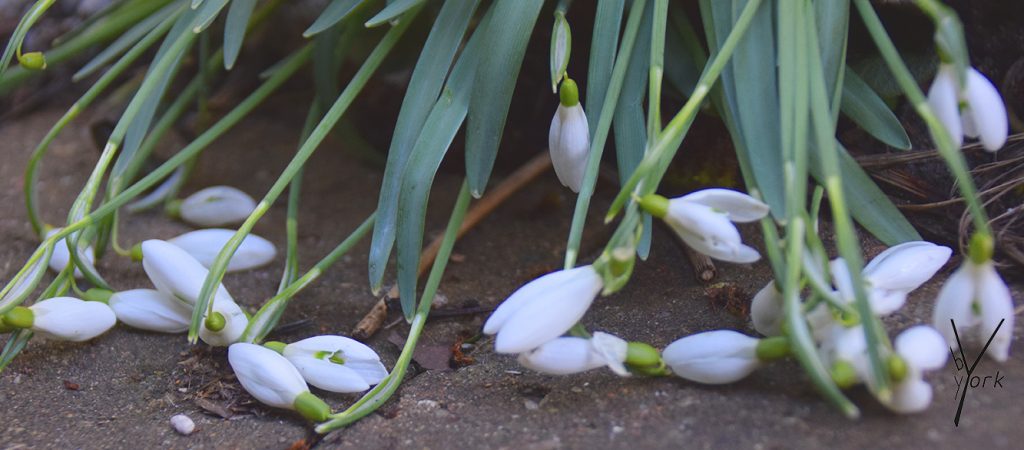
[[204, 245], [152, 310], [174, 272], [568, 355], [336, 363], [569, 138], [766, 310], [977, 299], [63, 318], [983, 114], [61, 256], [921, 348], [216, 206], [703, 220], [893, 274], [713, 357], [543, 309], [274, 381]]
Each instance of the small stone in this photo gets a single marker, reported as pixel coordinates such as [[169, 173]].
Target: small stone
[[182, 424]]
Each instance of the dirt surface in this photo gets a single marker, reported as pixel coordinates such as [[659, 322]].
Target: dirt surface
[[120, 390]]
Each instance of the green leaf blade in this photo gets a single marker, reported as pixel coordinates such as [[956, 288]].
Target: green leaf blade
[[234, 29], [332, 14], [864, 107]]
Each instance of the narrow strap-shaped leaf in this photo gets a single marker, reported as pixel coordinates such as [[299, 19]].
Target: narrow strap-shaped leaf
[[234, 29], [439, 130], [207, 13], [126, 40], [26, 280], [833, 23], [865, 108], [684, 68], [495, 81], [424, 88], [15, 343], [332, 14], [603, 45], [629, 123], [391, 11]]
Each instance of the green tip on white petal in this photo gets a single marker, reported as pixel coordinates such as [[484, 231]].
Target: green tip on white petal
[[655, 204], [97, 295], [173, 209], [772, 348], [32, 61], [276, 346], [19, 317], [312, 407], [844, 374], [215, 322], [569, 93], [981, 248]]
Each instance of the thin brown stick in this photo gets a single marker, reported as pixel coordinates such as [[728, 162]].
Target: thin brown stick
[[539, 164], [703, 267]]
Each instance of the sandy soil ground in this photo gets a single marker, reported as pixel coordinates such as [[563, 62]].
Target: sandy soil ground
[[119, 390]]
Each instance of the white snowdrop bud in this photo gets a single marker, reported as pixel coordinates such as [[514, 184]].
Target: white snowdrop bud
[[543, 309], [61, 256], [704, 220], [71, 319], [713, 357], [336, 363], [274, 381], [174, 272], [216, 206], [149, 309], [204, 245], [569, 138]]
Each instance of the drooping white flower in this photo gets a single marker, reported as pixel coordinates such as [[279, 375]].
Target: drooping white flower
[[174, 272], [713, 357], [977, 299], [216, 206], [704, 220], [766, 310], [570, 354], [983, 114], [569, 138], [336, 363], [922, 349], [149, 309], [61, 256], [71, 319], [893, 274], [204, 245], [543, 309], [274, 381]]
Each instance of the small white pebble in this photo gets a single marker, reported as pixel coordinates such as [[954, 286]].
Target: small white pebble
[[183, 425]]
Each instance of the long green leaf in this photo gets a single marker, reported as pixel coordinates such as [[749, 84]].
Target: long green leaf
[[439, 130], [207, 13], [16, 342], [126, 40], [603, 45], [332, 14], [391, 11], [833, 22], [865, 108], [424, 88], [235, 26], [495, 81]]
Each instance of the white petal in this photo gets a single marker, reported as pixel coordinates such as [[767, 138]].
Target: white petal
[[708, 232], [996, 305], [612, 349], [562, 356], [71, 319], [327, 375], [713, 357], [527, 293], [235, 322], [906, 266], [766, 310], [266, 375], [842, 279], [569, 144], [549, 315], [922, 347], [942, 96], [911, 396], [61, 256], [986, 110], [152, 310], [884, 302], [204, 245], [217, 206], [358, 357], [954, 302], [173, 271], [739, 206]]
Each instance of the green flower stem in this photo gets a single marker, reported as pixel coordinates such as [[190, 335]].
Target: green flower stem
[[359, 80], [113, 26], [947, 149], [600, 134], [22, 280], [383, 391], [31, 171], [291, 261], [652, 168], [848, 244], [657, 69]]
